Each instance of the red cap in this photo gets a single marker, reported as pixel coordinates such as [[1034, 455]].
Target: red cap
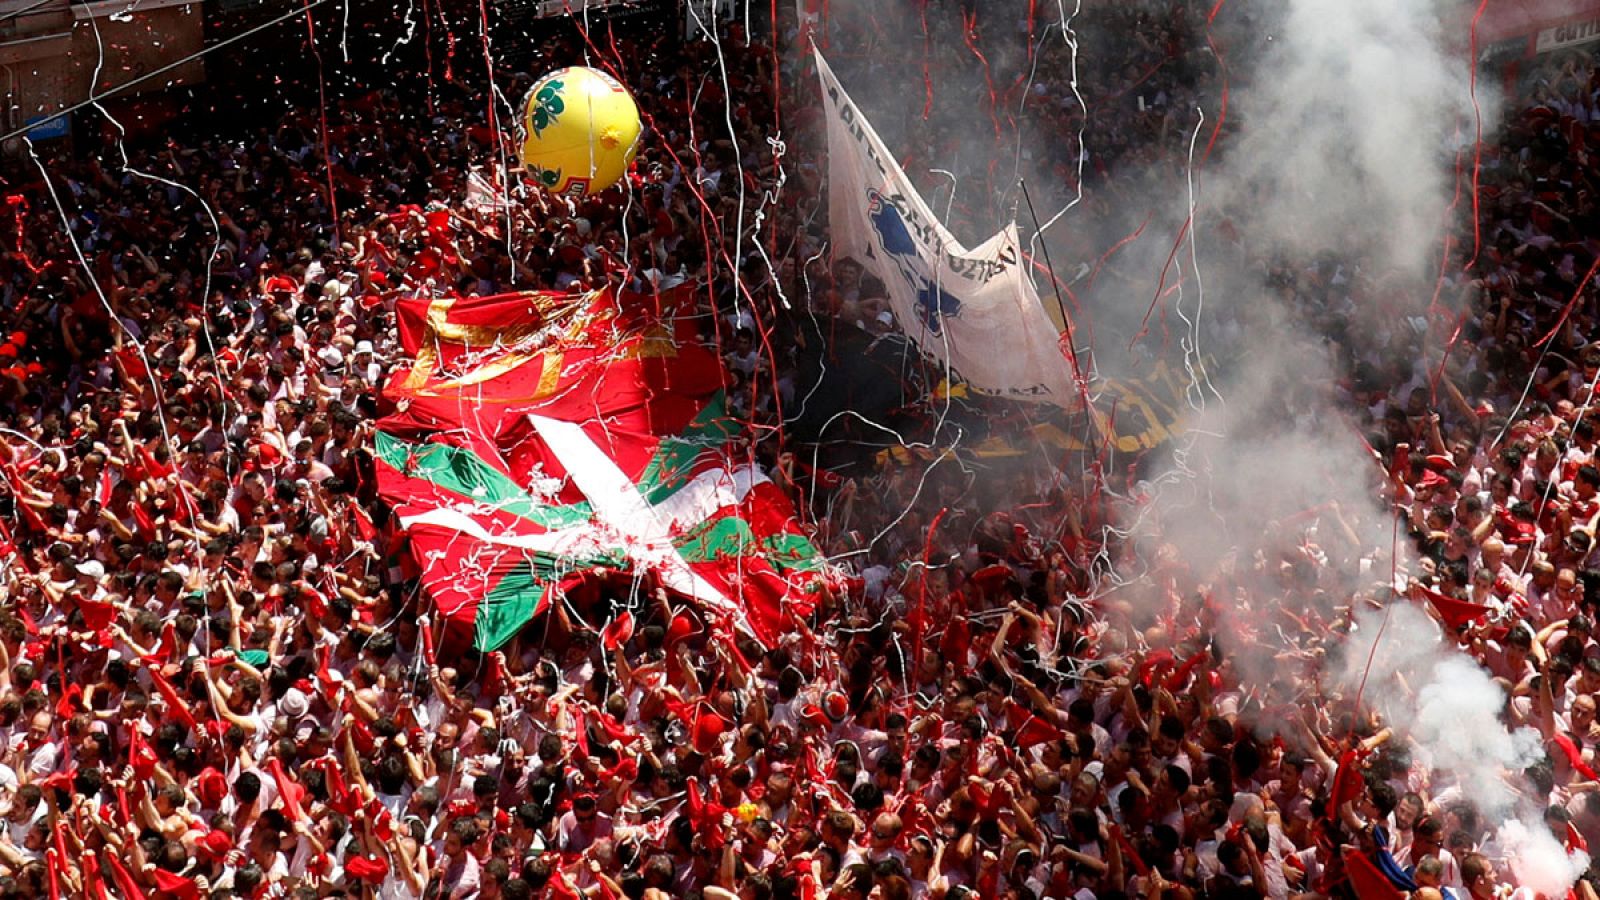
[[214, 846], [680, 629], [211, 788], [836, 705], [812, 714], [708, 730]]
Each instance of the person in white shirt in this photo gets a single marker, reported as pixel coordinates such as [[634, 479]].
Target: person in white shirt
[[1427, 842], [26, 808]]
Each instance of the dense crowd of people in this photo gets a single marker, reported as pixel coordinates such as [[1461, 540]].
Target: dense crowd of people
[[213, 680]]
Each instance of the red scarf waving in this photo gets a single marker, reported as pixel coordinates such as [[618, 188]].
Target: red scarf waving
[[123, 879], [176, 886], [93, 883], [1574, 757], [1347, 784], [141, 757], [289, 791], [175, 705]]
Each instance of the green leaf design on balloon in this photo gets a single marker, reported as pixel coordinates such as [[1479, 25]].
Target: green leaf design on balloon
[[547, 177], [548, 106]]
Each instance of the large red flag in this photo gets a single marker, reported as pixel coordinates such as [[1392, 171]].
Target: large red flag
[[542, 438]]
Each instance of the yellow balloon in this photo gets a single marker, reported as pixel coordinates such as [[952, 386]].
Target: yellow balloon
[[580, 130]]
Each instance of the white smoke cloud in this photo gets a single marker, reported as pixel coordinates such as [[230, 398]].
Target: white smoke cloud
[[1348, 129], [1447, 706], [1440, 699], [1539, 861]]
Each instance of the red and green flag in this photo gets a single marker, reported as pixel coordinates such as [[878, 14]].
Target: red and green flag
[[542, 439]]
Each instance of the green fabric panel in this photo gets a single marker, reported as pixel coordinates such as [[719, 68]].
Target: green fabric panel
[[520, 595], [718, 539], [670, 468], [508, 606], [462, 472], [792, 553]]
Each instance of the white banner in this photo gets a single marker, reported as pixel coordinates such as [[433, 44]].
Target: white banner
[[975, 309], [1570, 35]]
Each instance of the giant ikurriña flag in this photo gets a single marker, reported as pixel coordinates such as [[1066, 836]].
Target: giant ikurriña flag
[[974, 309], [540, 439]]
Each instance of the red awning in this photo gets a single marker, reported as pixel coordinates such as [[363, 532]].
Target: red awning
[[1505, 20]]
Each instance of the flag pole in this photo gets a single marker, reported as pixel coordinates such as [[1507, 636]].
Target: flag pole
[[1061, 304], [1055, 283]]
